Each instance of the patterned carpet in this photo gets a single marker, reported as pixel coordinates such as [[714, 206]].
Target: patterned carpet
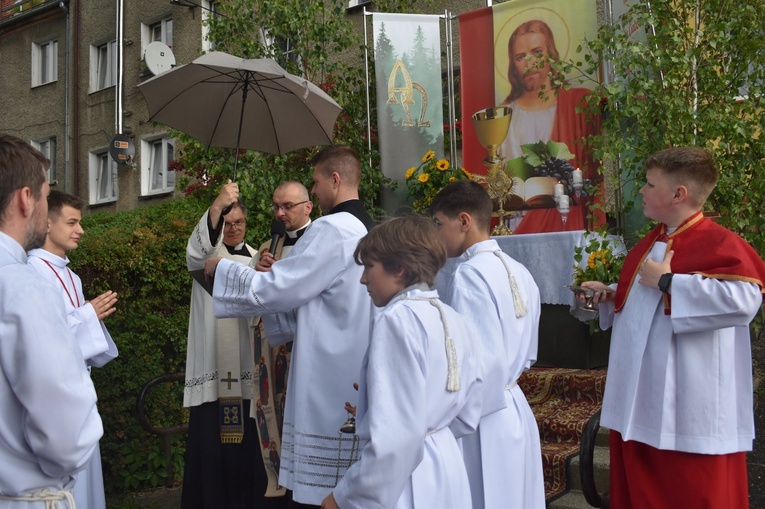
[[563, 400]]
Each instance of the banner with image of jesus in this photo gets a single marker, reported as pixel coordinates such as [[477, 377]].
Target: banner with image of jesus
[[407, 51], [505, 60]]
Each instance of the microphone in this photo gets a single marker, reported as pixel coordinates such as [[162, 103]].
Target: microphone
[[277, 231]]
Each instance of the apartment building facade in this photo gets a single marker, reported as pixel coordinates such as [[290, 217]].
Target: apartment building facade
[[64, 91]]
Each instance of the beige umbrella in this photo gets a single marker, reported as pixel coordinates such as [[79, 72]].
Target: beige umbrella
[[227, 101]]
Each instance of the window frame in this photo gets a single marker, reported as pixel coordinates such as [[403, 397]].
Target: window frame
[[165, 26], [208, 11], [95, 65], [149, 170], [44, 71], [96, 160], [48, 147]]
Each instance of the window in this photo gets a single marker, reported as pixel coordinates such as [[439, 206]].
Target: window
[[103, 60], [208, 12], [48, 147], [103, 178], [161, 31], [44, 62], [156, 178], [280, 49]]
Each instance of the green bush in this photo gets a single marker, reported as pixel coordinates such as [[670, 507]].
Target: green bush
[[140, 254]]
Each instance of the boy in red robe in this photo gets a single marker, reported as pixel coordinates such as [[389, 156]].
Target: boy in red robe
[[678, 396]]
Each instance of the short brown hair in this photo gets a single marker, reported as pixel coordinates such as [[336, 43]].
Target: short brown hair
[[411, 243], [21, 165], [464, 196], [692, 167], [58, 199], [344, 160]]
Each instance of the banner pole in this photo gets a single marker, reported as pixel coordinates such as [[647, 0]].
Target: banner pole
[[366, 75], [450, 89]]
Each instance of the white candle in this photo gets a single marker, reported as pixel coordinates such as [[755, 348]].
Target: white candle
[[558, 189], [563, 204], [577, 176]]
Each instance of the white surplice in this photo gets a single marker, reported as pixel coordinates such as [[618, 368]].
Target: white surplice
[[49, 424], [97, 347], [504, 457], [410, 457], [202, 377], [96, 343], [682, 381], [312, 296]]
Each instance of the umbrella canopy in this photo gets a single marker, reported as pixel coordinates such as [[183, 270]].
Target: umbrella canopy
[[227, 101]]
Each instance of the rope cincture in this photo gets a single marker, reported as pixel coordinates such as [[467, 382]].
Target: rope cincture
[[453, 377], [520, 307], [47, 495]]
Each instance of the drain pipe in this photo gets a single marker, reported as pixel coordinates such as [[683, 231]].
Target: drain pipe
[[120, 38], [67, 84], [76, 98]]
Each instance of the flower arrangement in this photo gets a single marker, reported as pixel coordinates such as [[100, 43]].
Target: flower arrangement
[[427, 179], [603, 262], [599, 258]]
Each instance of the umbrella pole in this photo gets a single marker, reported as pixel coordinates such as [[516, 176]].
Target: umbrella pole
[[239, 136], [241, 118]]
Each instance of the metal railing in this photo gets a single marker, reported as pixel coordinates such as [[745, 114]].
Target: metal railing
[[587, 464], [164, 433]]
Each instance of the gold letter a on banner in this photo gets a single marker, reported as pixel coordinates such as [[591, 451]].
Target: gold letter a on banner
[[406, 92]]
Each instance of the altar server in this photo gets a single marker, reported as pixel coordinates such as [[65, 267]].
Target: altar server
[[418, 384], [313, 297], [85, 317], [501, 301], [49, 424], [678, 396]]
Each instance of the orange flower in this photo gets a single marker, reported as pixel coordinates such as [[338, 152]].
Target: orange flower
[[442, 164]]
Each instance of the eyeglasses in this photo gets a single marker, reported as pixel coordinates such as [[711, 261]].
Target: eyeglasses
[[288, 206], [238, 223]]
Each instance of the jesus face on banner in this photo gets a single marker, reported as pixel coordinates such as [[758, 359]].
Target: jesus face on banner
[[530, 49], [528, 38]]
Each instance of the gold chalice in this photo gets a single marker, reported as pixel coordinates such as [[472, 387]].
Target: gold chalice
[[491, 125]]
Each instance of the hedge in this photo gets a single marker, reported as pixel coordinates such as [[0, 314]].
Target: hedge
[[140, 254]]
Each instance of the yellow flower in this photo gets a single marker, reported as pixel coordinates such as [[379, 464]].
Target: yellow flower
[[467, 173], [428, 156], [452, 179], [409, 172], [442, 164], [424, 177]]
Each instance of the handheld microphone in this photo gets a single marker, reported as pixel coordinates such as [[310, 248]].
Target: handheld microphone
[[277, 231]]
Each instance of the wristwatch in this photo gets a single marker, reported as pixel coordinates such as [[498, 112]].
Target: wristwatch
[[665, 281]]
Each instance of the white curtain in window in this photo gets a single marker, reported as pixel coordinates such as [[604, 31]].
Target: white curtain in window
[[156, 166], [106, 69], [170, 175], [107, 178], [48, 148], [45, 62], [160, 178]]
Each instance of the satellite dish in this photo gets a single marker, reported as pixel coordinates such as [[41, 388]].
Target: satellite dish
[[122, 149], [159, 57]]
